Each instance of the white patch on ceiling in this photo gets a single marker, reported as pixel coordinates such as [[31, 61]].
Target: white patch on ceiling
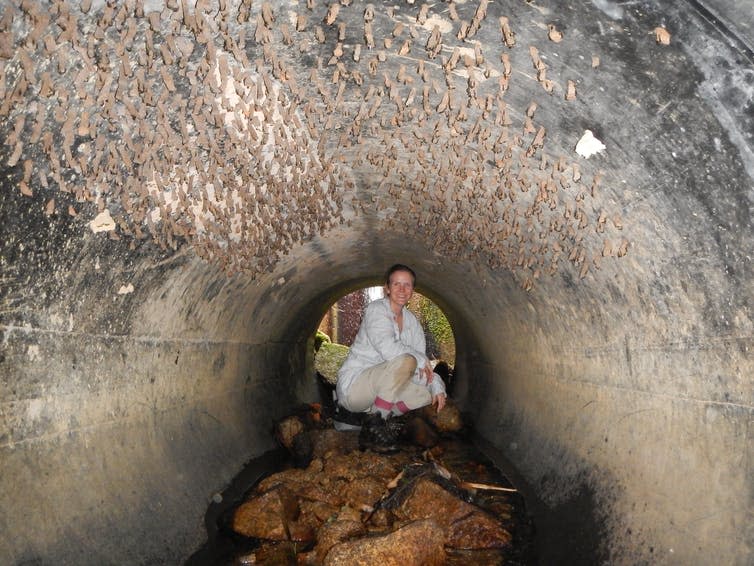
[[588, 145], [612, 9], [33, 353], [126, 289], [444, 25], [103, 222], [34, 409]]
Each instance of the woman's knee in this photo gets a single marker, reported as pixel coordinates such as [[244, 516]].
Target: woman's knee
[[407, 363]]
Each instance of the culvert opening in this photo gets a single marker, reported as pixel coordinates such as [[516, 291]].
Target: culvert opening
[[326, 496], [340, 324]]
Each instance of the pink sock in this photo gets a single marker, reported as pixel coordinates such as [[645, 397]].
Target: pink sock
[[400, 408], [383, 407]]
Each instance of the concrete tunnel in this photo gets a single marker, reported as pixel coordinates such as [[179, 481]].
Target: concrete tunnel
[[186, 188]]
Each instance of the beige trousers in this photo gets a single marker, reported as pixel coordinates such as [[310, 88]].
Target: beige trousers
[[388, 383]]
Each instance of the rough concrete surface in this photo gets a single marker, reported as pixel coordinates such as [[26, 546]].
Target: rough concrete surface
[[186, 187]]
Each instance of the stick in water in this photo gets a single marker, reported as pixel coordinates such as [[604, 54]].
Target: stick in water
[[474, 485]]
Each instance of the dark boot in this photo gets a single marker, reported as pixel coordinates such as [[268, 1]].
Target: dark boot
[[346, 420], [377, 436]]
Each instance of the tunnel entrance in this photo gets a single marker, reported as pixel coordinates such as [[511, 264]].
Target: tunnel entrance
[[342, 319], [435, 460], [338, 328]]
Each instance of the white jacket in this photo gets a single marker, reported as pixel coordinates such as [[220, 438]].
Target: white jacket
[[379, 340]]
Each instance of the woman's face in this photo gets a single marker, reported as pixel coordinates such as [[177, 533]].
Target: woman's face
[[400, 288]]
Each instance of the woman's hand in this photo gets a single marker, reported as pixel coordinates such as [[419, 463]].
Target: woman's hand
[[439, 401], [428, 374]]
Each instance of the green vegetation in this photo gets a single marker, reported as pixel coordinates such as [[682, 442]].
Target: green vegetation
[[436, 326], [435, 321], [328, 360], [319, 339]]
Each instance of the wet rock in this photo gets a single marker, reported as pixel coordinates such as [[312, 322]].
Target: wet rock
[[364, 492], [287, 429], [317, 512], [310, 484], [361, 464], [335, 532], [303, 530], [475, 531], [271, 554], [291, 477], [419, 432], [447, 420], [381, 518], [329, 441], [465, 525], [297, 433], [268, 515], [302, 450], [349, 514], [419, 543], [327, 491]]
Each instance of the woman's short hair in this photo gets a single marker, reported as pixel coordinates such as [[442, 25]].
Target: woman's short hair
[[400, 267]]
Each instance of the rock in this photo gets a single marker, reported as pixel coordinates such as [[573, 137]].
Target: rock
[[291, 477], [333, 442], [476, 531], [317, 512], [278, 553], [287, 429], [361, 464], [364, 492], [295, 432], [307, 484], [268, 515], [464, 524], [349, 514], [447, 420], [420, 433], [419, 543], [382, 518], [302, 530], [326, 491], [302, 450], [335, 532]]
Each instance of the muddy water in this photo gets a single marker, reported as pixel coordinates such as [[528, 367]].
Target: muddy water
[[461, 458]]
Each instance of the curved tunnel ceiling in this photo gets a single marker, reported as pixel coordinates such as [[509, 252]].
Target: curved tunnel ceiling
[[187, 186]]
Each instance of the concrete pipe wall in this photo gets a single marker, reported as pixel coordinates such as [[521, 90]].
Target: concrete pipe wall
[[186, 189]]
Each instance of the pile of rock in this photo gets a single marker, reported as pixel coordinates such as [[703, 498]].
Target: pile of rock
[[422, 427], [351, 507]]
